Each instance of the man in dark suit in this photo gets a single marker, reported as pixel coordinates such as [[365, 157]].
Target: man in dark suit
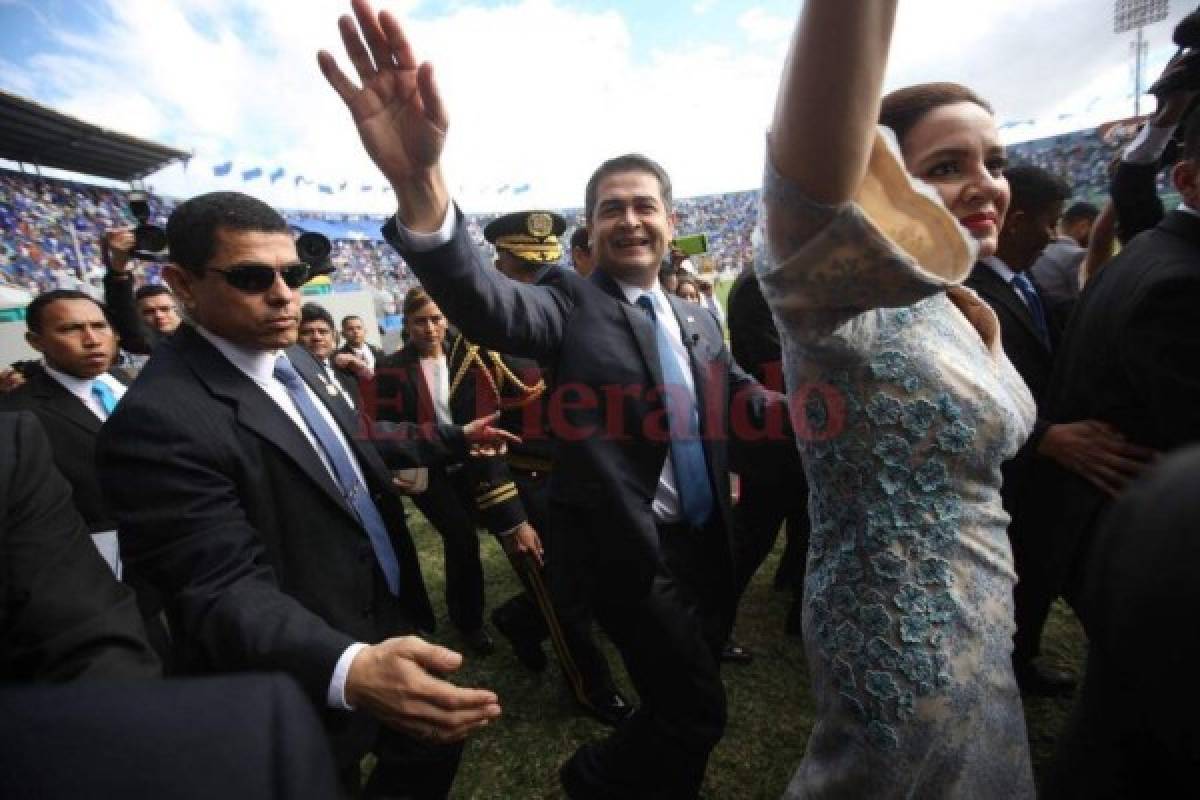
[[318, 336], [63, 616], [72, 393], [774, 488], [640, 408], [1133, 730], [246, 497], [1030, 329], [356, 357], [1129, 356]]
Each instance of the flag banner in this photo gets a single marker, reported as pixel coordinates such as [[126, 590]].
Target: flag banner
[[342, 188], [251, 174], [524, 187], [502, 189], [325, 189], [221, 170], [300, 179], [366, 188], [277, 174]]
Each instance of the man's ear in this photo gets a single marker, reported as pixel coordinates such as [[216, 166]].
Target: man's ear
[[180, 280], [1183, 178]]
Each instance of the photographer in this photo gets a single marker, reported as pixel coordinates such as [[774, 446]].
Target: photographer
[[141, 318]]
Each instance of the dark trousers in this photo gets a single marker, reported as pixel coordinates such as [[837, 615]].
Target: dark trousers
[[585, 667], [670, 640], [768, 499], [405, 768], [447, 504], [1034, 558]]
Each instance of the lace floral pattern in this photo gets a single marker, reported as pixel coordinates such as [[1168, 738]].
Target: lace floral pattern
[[908, 617]]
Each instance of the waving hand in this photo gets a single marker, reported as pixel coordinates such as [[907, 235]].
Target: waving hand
[[397, 110]]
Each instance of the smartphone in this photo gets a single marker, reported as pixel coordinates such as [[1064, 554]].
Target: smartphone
[[693, 245]]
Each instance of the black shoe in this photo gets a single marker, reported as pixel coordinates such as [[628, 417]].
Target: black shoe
[[479, 642], [734, 653], [528, 650], [609, 707], [1042, 681]]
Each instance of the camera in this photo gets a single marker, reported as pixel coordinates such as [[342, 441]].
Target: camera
[[149, 241], [314, 250]]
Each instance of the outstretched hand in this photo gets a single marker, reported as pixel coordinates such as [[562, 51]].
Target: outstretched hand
[[485, 440], [397, 110]]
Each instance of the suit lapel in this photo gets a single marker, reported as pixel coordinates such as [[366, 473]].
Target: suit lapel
[[640, 326], [991, 284], [255, 410], [685, 315], [54, 397]]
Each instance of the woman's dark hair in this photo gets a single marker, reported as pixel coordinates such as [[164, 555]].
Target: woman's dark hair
[[904, 108]]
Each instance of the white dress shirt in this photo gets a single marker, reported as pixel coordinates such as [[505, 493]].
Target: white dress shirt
[[666, 497], [259, 367], [1006, 274], [82, 388], [437, 378]]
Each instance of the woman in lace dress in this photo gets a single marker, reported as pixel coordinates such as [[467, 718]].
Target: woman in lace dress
[[905, 406]]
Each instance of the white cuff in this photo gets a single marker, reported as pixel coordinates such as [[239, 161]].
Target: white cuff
[[336, 697], [1148, 146], [424, 242]]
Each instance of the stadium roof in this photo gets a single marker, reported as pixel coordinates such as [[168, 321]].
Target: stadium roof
[[33, 134]]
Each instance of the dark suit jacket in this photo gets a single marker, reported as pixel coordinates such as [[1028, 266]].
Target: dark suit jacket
[[250, 737], [72, 429], [606, 412], [1130, 355], [1019, 336], [1133, 733], [63, 616], [226, 508]]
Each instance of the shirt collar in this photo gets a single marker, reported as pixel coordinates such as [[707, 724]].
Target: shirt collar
[[80, 387], [1000, 268], [258, 365], [632, 293]]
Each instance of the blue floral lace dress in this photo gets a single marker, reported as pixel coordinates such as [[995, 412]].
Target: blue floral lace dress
[[905, 408]]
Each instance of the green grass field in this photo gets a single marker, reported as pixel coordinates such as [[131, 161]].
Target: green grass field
[[770, 707]]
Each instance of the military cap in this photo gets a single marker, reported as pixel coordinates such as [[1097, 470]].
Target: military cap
[[529, 235]]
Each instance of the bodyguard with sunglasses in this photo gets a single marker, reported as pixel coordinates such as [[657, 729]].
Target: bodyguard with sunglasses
[[253, 504]]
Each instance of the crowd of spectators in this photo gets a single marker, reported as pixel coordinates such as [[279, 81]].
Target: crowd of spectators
[[50, 229]]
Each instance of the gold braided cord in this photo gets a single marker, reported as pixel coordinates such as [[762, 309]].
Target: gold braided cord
[[529, 393]]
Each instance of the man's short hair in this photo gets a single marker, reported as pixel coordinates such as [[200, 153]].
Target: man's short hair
[[314, 312], [33, 311], [631, 162], [1080, 211], [1034, 189], [349, 317], [151, 290], [193, 225], [580, 239]]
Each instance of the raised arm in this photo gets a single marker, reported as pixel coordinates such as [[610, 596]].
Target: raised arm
[[828, 101], [397, 110]]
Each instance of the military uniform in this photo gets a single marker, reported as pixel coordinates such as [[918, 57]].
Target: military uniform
[[513, 489]]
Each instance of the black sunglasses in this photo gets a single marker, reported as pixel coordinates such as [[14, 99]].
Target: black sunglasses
[[256, 278]]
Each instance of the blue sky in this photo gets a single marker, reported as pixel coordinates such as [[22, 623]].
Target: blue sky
[[539, 90]]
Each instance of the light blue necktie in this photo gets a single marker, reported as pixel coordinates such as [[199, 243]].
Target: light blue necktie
[[687, 452], [104, 396], [339, 458], [1029, 293]]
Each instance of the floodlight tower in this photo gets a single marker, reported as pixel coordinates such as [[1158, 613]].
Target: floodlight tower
[[1129, 15]]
